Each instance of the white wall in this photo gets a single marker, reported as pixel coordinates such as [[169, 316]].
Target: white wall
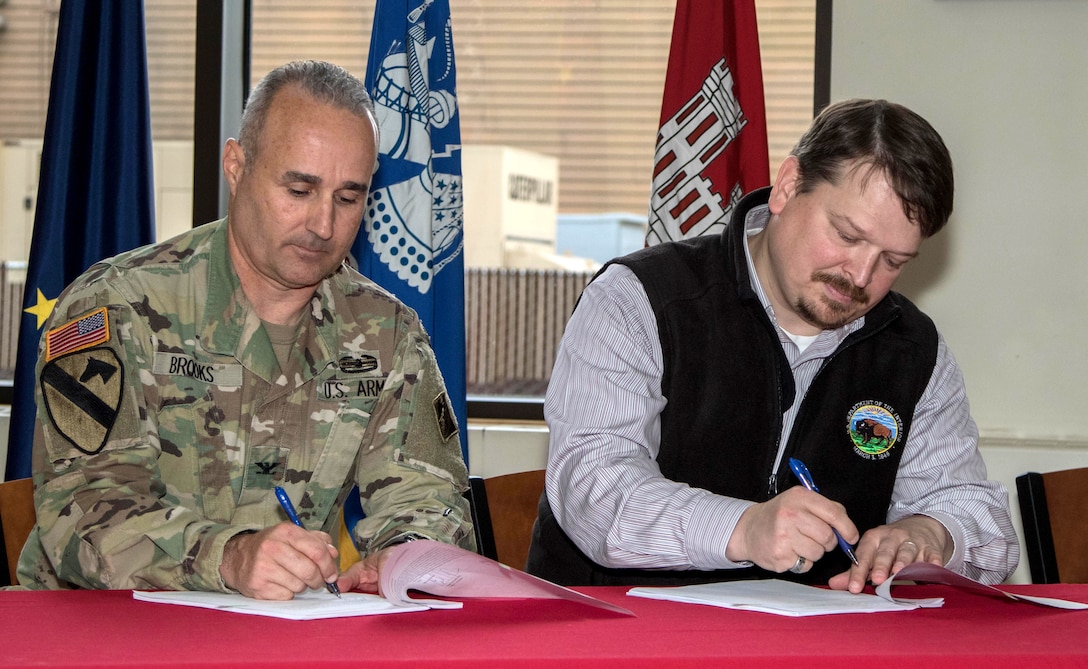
[[1006, 84], [496, 448]]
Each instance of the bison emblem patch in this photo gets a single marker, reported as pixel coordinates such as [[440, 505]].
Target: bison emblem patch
[[874, 428]]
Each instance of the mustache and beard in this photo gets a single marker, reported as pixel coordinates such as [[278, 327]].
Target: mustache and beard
[[834, 314]]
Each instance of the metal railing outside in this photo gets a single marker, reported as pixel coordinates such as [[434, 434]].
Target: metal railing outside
[[514, 319]]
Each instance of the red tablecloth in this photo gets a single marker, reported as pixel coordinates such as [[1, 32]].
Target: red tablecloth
[[110, 629]]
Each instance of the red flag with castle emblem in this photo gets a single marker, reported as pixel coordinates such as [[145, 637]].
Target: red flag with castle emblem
[[712, 142]]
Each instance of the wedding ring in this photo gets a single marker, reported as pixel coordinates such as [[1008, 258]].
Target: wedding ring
[[909, 542], [798, 566]]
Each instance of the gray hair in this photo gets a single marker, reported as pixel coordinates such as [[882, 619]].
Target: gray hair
[[325, 82]]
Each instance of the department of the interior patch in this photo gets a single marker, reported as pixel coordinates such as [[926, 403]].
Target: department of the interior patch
[[874, 428], [84, 332], [82, 393]]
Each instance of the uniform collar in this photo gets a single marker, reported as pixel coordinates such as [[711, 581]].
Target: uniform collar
[[228, 314], [231, 326]]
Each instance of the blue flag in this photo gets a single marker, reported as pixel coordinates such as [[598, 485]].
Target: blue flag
[[95, 190], [412, 238]]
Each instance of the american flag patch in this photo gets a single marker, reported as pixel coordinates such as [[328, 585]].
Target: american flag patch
[[83, 332]]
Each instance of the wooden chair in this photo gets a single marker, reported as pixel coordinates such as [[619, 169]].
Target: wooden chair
[[17, 518], [503, 511], [1054, 510]]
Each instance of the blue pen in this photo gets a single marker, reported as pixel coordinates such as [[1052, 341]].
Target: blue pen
[[285, 502], [805, 477]]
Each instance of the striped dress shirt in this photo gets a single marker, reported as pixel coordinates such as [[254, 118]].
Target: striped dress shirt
[[603, 411]]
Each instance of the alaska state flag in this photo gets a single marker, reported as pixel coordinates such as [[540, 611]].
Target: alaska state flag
[[95, 193], [411, 241], [712, 142]]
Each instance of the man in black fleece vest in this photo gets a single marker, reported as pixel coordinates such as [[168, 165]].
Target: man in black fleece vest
[[691, 372]]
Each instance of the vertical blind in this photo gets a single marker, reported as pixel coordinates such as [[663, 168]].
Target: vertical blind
[[578, 80]]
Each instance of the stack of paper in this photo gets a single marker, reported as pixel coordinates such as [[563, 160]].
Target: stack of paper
[[786, 598], [424, 566], [783, 598], [310, 605]]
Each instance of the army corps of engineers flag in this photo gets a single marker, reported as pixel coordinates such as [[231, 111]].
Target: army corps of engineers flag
[[712, 143], [411, 240]]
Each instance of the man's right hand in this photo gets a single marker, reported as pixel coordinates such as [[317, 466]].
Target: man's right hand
[[794, 524], [279, 562]]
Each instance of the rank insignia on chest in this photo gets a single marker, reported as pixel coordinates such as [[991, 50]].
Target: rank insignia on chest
[[265, 468]]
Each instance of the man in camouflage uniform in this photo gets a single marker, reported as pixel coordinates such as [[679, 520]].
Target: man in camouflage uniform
[[181, 382]]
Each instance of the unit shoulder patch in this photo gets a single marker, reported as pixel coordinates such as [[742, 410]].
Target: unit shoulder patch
[[443, 414], [82, 393]]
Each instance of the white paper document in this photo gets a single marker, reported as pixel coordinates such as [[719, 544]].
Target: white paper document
[[448, 571], [311, 605], [786, 598], [425, 566], [923, 572]]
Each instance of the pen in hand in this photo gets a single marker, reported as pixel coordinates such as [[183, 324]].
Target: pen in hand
[[805, 477], [285, 502]]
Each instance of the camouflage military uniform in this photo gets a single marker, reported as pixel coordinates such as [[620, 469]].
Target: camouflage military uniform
[[165, 421]]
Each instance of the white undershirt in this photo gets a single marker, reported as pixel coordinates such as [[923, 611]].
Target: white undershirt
[[802, 341]]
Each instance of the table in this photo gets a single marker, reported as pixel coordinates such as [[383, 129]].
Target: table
[[110, 629]]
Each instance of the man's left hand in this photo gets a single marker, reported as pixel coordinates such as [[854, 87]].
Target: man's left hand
[[363, 576], [885, 550]]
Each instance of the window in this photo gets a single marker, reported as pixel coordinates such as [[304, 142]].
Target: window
[[580, 82], [577, 81]]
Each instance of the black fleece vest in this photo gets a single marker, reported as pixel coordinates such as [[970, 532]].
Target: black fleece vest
[[728, 383]]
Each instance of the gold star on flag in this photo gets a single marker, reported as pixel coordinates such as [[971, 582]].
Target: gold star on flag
[[42, 309]]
